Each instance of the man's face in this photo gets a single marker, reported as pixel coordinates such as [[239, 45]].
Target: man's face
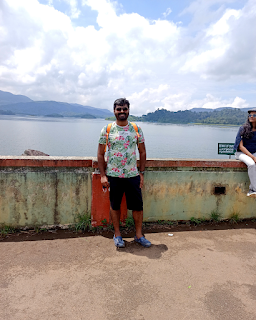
[[121, 112]]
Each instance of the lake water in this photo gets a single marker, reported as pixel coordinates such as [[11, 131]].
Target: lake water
[[79, 137]]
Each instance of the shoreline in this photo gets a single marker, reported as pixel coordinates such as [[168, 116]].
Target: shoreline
[[113, 119]]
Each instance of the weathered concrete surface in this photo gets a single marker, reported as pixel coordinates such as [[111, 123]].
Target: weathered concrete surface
[[40, 196], [202, 275], [180, 195]]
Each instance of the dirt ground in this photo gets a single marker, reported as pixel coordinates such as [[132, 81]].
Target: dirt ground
[[190, 273], [37, 234]]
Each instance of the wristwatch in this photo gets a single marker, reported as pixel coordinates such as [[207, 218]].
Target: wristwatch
[[142, 172]]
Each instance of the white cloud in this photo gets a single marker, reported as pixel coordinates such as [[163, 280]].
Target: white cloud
[[151, 99], [167, 12], [211, 102], [75, 12], [153, 63], [227, 49], [203, 14]]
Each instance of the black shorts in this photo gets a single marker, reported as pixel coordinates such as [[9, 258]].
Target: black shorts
[[132, 190]]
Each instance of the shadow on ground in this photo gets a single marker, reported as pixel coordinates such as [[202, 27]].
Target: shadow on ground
[[154, 252]]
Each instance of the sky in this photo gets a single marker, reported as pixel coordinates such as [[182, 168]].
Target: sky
[[171, 54]]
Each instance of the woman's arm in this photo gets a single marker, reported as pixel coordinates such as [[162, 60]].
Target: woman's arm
[[245, 151]]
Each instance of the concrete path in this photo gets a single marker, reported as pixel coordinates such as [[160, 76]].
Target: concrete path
[[191, 275]]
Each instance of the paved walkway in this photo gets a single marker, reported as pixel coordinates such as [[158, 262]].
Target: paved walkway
[[191, 275]]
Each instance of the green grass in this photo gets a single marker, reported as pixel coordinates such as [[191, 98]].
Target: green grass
[[215, 216], [129, 222], [104, 222], [198, 220], [83, 222], [4, 230], [110, 226], [195, 220], [161, 222], [234, 218]]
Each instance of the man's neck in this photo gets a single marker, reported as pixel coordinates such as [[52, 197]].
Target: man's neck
[[122, 123]]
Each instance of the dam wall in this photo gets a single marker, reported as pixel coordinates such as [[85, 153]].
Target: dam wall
[[37, 191]]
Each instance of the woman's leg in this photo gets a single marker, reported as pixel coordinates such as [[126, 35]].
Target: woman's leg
[[251, 168]]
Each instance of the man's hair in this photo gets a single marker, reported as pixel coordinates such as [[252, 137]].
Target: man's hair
[[121, 102]]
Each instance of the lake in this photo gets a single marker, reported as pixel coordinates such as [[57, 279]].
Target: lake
[[79, 137]]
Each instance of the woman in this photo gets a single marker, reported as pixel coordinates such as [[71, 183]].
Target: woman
[[245, 146]]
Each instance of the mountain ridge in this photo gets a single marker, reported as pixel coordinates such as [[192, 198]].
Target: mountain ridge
[[20, 104], [8, 98], [217, 109]]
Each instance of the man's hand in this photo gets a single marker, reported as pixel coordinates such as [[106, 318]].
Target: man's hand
[[104, 182], [141, 180]]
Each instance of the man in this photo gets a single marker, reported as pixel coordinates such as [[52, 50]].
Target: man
[[121, 174]]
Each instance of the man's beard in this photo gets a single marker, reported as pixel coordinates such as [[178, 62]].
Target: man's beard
[[122, 116]]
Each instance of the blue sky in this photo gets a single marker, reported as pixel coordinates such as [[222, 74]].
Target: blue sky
[[167, 54], [150, 9]]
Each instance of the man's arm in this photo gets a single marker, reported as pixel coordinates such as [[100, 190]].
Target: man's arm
[[102, 165], [142, 152]]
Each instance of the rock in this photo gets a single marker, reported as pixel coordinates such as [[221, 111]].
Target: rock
[[30, 152]]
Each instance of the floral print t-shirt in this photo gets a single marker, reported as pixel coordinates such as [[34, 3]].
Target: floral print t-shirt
[[121, 155]]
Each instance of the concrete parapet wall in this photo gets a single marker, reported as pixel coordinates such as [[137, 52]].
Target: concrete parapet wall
[[44, 190], [181, 189], [54, 190]]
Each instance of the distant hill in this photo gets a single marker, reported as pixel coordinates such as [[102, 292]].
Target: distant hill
[[217, 109], [43, 108], [9, 113], [201, 110], [9, 98], [227, 116], [19, 104]]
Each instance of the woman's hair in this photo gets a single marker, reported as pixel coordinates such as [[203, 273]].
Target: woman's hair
[[247, 130]]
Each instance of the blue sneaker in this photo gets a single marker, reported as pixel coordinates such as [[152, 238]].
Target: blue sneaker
[[143, 241], [119, 242]]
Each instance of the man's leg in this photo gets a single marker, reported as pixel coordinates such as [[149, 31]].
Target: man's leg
[[118, 240], [115, 195], [138, 219], [134, 201], [115, 216]]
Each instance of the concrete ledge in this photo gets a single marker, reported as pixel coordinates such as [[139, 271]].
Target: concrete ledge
[[195, 163], [32, 161], [185, 163]]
